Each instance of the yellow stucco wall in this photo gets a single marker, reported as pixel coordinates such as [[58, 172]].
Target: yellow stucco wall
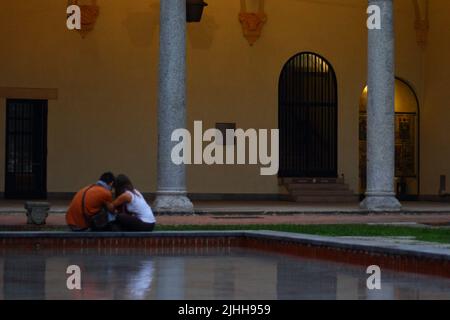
[[105, 114], [435, 108]]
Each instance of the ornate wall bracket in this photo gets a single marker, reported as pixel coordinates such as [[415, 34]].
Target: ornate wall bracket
[[421, 23], [252, 22], [89, 14]]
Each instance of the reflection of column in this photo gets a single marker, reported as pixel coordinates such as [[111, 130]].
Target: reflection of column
[[138, 280], [224, 279], [56, 280], [171, 196], [24, 277], [387, 292], [199, 277], [306, 279], [346, 287], [380, 195], [256, 279], [2, 279], [169, 280]]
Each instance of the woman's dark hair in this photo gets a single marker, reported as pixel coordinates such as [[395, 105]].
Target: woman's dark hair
[[123, 184], [108, 177]]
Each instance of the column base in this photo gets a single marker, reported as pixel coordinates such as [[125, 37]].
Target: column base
[[381, 203], [172, 203]]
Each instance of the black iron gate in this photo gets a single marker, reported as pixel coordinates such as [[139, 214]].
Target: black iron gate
[[26, 149], [308, 117]]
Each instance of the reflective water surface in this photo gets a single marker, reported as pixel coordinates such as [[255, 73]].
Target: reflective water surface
[[224, 274]]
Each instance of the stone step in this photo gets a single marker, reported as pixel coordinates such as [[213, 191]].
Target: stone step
[[333, 193], [317, 186], [326, 199], [312, 180], [319, 190]]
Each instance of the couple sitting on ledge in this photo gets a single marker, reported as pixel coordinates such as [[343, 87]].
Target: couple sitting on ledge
[[94, 209]]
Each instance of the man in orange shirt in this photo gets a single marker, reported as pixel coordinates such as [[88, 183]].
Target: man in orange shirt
[[96, 197]]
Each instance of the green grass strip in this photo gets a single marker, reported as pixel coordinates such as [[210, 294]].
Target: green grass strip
[[432, 234]]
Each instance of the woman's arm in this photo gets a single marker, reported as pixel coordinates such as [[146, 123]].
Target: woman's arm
[[108, 201], [110, 207], [122, 199]]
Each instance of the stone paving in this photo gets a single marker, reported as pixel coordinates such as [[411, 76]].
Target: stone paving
[[256, 207], [411, 242], [13, 217], [12, 213]]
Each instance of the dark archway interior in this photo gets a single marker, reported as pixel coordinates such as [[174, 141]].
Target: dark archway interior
[[308, 117], [407, 143]]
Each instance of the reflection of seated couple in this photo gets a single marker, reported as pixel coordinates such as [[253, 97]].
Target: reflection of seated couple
[[94, 209], [122, 277], [25, 276]]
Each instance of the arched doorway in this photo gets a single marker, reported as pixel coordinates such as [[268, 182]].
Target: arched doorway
[[307, 117], [407, 145]]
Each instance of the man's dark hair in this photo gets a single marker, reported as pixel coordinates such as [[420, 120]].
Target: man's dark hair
[[108, 177]]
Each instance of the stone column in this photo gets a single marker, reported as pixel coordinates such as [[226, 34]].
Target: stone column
[[171, 195], [380, 195]]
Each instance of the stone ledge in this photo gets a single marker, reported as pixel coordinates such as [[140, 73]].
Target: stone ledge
[[102, 235], [428, 252], [374, 247]]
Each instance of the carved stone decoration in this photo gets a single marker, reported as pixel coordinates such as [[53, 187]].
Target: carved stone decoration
[[421, 23], [37, 212], [252, 22], [89, 14]]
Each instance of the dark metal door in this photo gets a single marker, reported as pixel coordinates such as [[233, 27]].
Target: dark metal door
[[26, 149], [308, 117]]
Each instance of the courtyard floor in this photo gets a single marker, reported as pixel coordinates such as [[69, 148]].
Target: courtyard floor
[[12, 213]]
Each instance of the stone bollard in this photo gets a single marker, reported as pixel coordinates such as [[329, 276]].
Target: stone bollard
[[37, 212]]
